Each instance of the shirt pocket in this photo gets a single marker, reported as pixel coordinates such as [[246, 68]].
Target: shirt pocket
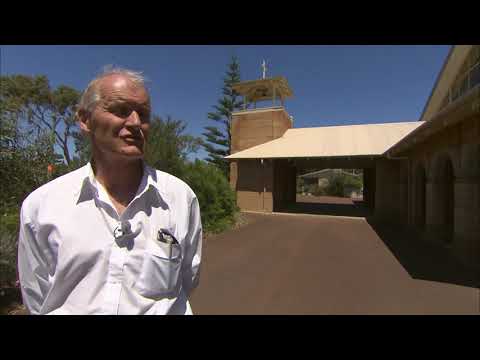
[[160, 272]]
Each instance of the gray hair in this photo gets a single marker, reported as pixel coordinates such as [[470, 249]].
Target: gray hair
[[91, 96]]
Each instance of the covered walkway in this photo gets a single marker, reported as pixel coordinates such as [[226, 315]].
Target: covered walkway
[[264, 176]]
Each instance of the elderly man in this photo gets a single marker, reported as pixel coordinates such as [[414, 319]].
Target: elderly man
[[115, 236]]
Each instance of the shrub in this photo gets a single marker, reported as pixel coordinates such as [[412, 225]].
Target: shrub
[[8, 247], [335, 186], [353, 182], [319, 191], [341, 183], [216, 198], [310, 188], [300, 184]]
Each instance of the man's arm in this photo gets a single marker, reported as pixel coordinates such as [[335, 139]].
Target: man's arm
[[193, 255], [32, 266]]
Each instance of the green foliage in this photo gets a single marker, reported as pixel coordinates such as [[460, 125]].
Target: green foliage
[[318, 191], [353, 181], [340, 183], [25, 169], [218, 139], [83, 150], [336, 186], [216, 198], [309, 188], [9, 221], [300, 185], [168, 146], [31, 106], [8, 257]]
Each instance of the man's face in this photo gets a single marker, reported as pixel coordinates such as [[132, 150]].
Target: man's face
[[119, 124]]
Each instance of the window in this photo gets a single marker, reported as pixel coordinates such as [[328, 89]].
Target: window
[[468, 77], [475, 76]]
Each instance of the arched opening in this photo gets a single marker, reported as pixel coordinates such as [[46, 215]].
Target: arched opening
[[420, 198]]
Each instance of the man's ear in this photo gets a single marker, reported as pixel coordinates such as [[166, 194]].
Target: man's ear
[[84, 121]]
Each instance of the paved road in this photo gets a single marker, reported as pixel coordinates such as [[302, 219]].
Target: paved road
[[329, 205], [310, 264]]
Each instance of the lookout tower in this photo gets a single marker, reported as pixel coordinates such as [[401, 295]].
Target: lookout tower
[[255, 125], [272, 89]]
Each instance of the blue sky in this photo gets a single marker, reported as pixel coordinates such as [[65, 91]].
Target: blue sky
[[332, 85]]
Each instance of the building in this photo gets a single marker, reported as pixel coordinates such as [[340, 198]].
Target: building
[[424, 174]]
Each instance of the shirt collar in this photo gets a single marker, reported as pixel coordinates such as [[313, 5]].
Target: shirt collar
[[89, 185]]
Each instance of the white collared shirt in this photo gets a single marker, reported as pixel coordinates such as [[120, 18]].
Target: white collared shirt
[[70, 262]]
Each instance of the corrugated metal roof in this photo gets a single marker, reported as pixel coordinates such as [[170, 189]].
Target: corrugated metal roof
[[331, 141]]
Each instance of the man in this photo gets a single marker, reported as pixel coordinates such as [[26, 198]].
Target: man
[[115, 236]]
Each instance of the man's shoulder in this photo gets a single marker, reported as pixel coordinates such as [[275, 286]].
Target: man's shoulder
[[58, 189]]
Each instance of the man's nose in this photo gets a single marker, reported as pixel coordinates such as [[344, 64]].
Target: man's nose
[[133, 119]]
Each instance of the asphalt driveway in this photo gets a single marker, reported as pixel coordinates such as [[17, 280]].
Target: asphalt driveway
[[314, 264]]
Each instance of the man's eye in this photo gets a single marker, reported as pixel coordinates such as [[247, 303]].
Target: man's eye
[[122, 111]]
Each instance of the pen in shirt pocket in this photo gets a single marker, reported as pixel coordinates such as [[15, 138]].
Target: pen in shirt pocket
[[166, 238]]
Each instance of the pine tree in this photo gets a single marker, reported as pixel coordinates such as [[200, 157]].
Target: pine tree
[[218, 139]]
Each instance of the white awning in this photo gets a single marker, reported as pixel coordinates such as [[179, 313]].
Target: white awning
[[331, 141]]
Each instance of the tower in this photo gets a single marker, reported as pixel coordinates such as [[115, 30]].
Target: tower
[[253, 126]]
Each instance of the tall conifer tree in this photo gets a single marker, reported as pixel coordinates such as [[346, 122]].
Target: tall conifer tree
[[218, 138]]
